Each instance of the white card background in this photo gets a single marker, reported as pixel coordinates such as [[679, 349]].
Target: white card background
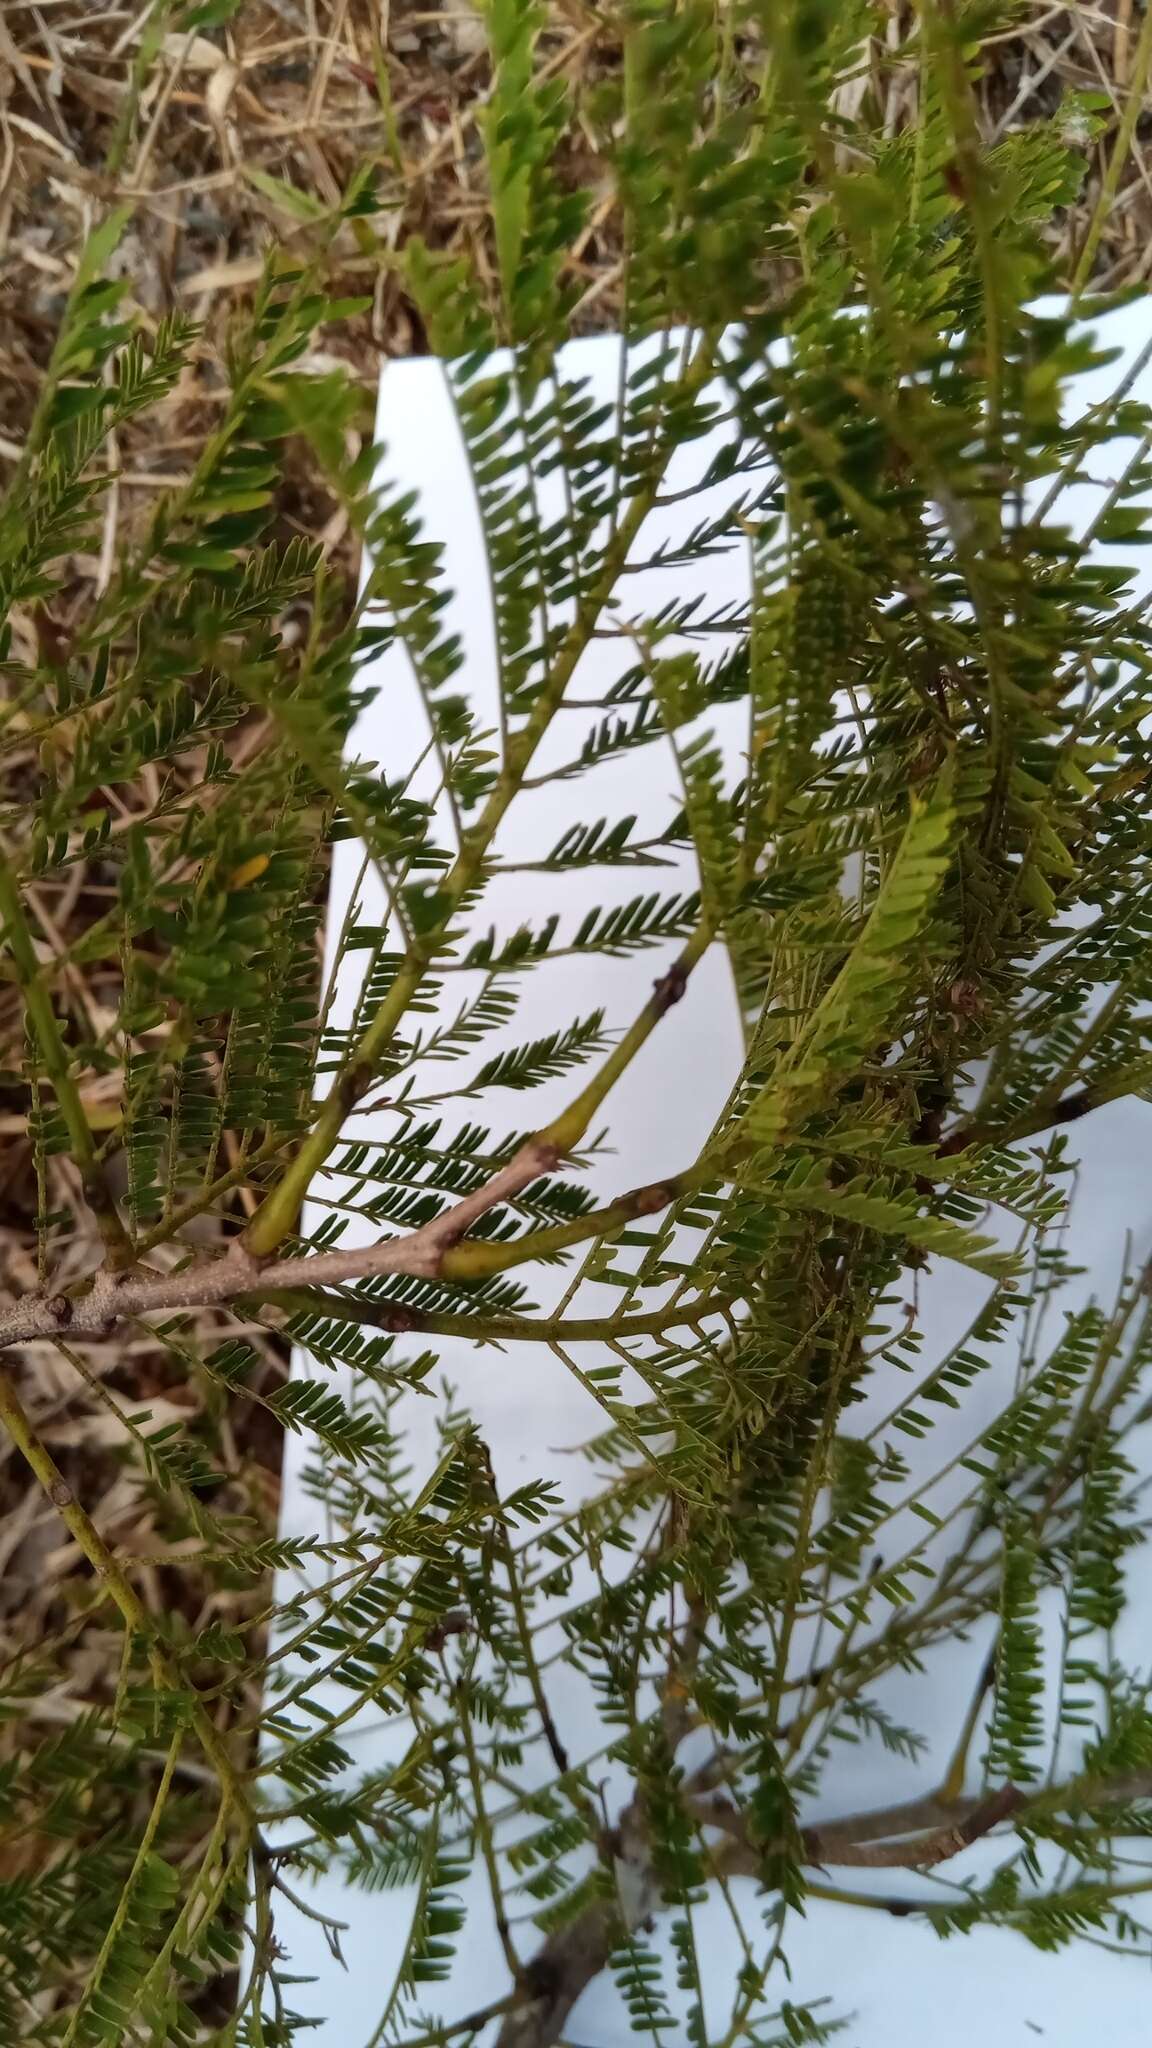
[[895, 1977]]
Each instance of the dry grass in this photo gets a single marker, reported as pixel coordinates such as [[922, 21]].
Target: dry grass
[[291, 88]]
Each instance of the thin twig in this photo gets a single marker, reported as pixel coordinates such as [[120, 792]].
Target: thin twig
[[81, 1527], [46, 1031]]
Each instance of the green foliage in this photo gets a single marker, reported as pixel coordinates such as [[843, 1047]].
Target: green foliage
[[929, 873]]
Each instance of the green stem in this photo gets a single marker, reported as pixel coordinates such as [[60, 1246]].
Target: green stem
[[953, 1785], [199, 1205], [944, 34], [54, 1053], [86, 1535], [814, 1479], [1137, 86], [556, 1747], [566, 1131], [479, 1329], [120, 1916], [471, 2024], [277, 1215], [1076, 1897], [483, 1835], [475, 1259], [203, 1888], [837, 1895], [142, 71], [1067, 1073]]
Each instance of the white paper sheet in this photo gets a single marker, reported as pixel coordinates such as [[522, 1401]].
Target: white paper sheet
[[901, 1983]]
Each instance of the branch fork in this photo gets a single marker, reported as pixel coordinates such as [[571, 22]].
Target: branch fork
[[116, 1294]]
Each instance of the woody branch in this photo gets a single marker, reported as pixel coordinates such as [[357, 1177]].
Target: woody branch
[[440, 1248]]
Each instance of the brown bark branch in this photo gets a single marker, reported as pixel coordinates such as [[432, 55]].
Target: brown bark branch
[[439, 1248], [560, 1973], [916, 1834], [825, 1846], [866, 1841], [113, 1296], [570, 1960], [1048, 1116]]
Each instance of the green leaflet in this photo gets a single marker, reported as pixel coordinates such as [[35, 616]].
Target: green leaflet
[[856, 1202], [850, 1021]]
